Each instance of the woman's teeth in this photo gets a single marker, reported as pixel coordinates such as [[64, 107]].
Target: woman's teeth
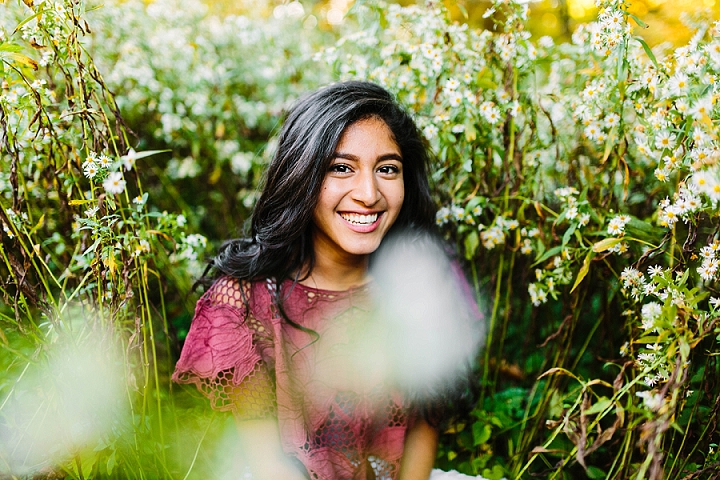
[[356, 219]]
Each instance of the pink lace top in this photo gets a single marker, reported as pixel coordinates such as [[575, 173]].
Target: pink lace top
[[253, 363]]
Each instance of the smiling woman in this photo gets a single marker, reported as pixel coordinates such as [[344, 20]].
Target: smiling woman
[[361, 197], [280, 338]]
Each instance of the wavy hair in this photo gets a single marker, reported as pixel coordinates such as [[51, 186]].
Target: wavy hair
[[280, 242]]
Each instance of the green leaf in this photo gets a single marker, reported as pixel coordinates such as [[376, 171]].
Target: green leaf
[[472, 241], [548, 254], [111, 462], [684, 348], [147, 153], [594, 472], [637, 20], [481, 433], [28, 19], [600, 406], [649, 52], [568, 234]]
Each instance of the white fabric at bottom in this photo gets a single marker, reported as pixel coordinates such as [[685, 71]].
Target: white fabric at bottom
[[452, 475]]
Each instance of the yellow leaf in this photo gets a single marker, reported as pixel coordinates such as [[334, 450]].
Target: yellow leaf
[[38, 225], [583, 270], [605, 244], [110, 263], [162, 234], [20, 58], [215, 176]]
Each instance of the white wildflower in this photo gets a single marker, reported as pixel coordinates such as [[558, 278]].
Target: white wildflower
[[114, 183]]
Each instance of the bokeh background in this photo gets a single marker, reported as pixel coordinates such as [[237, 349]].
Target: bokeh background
[[557, 18]]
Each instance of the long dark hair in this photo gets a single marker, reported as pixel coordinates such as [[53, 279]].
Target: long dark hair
[[280, 243]]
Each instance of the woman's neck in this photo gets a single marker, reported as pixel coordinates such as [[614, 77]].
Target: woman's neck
[[337, 274]]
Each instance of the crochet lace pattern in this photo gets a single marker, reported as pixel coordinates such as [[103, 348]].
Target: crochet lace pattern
[[246, 359]]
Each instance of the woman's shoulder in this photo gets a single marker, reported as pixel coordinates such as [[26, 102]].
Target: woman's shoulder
[[237, 293]]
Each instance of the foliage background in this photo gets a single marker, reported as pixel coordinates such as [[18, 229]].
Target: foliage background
[[578, 178]]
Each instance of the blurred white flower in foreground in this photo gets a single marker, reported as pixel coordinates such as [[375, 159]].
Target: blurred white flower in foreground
[[63, 404], [433, 328]]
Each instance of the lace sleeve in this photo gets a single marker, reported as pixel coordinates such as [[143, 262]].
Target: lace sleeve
[[225, 354]]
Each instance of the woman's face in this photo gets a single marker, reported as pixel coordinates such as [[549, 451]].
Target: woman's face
[[362, 193]]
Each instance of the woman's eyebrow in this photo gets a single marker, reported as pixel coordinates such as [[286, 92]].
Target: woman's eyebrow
[[355, 158]]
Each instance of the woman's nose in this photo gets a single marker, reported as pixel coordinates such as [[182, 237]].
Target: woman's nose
[[366, 189]]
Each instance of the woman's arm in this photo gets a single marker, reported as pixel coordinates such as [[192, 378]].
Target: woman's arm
[[260, 442], [419, 453]]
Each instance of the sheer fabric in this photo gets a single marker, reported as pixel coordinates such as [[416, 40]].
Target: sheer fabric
[[334, 417]]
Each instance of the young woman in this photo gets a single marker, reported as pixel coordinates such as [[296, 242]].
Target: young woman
[[268, 337]]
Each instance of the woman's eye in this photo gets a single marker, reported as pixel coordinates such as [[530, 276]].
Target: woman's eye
[[339, 168], [387, 169]]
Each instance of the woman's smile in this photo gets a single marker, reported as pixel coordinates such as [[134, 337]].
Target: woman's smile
[[362, 223]]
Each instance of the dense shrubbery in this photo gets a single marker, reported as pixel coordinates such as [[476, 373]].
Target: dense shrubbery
[[579, 181]]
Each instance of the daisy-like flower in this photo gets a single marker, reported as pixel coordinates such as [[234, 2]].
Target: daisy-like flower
[[139, 200], [678, 85], [8, 232], [455, 99], [655, 270], [708, 269], [584, 219], [104, 161], [592, 131], [90, 169], [649, 313], [492, 237], [452, 84], [699, 136], [537, 294], [631, 277], [702, 108], [611, 120], [613, 21], [672, 161], [142, 247], [526, 248], [665, 139], [669, 216], [129, 159], [616, 226], [661, 174], [430, 131], [590, 92], [571, 213], [492, 116], [114, 183], [442, 216], [91, 212]]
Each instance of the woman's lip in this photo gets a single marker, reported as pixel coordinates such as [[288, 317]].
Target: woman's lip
[[362, 228]]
